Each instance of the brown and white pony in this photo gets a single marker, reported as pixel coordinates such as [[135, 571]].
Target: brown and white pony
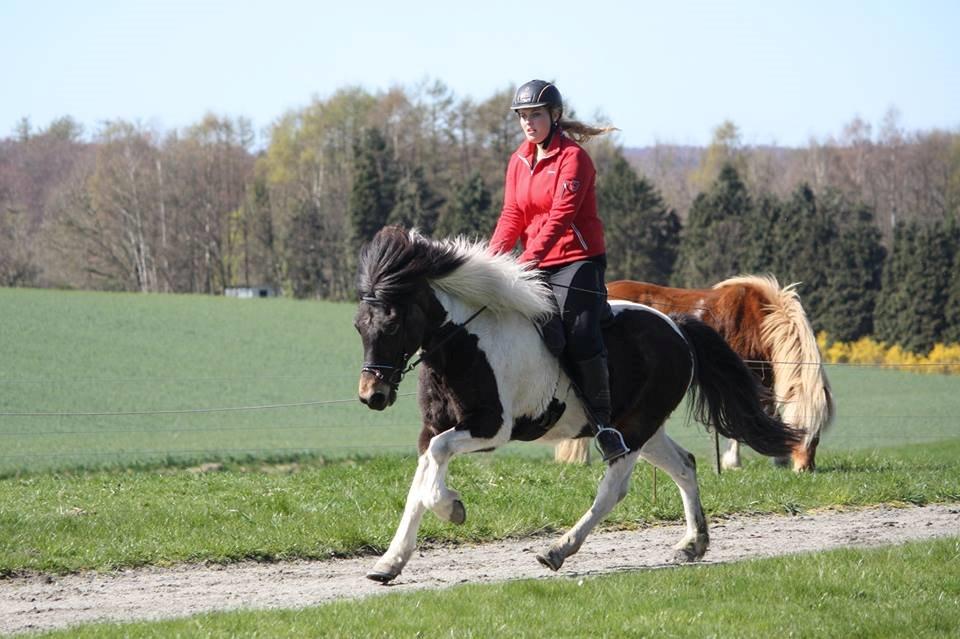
[[486, 378], [768, 328]]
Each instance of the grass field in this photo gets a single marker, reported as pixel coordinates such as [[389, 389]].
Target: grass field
[[93, 380], [905, 591]]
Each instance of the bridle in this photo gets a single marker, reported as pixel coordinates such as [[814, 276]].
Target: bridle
[[398, 371], [386, 373]]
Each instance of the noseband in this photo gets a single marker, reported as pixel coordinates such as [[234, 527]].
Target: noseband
[[396, 376]]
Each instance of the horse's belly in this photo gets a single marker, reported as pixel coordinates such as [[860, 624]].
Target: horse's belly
[[570, 423]]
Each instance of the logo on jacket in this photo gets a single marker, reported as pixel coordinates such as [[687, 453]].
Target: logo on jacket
[[572, 185]]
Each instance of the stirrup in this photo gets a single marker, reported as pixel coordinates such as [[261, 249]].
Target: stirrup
[[610, 444]]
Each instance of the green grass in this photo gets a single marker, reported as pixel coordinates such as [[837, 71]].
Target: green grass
[[82, 352], [68, 522], [904, 591], [63, 353]]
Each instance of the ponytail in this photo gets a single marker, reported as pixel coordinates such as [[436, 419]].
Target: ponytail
[[581, 132]]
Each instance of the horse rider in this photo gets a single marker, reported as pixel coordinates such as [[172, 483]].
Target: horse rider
[[550, 206]]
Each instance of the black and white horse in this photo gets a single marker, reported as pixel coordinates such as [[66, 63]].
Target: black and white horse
[[487, 378]]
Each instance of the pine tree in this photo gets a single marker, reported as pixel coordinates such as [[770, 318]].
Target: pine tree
[[804, 235], [713, 241], [891, 324], [416, 204], [374, 183], [641, 234], [761, 237], [853, 278], [470, 213], [916, 284], [928, 287], [951, 311]]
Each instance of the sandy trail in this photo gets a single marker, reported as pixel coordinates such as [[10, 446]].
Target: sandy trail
[[42, 602]]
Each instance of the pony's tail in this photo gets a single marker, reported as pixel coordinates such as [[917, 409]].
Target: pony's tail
[[800, 382], [728, 397], [572, 451]]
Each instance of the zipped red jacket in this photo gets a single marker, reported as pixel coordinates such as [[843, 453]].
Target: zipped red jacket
[[550, 206]]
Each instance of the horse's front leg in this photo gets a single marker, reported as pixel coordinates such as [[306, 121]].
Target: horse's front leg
[[613, 488], [429, 490], [444, 502], [405, 539]]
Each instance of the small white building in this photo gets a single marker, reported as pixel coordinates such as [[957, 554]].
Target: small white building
[[250, 292]]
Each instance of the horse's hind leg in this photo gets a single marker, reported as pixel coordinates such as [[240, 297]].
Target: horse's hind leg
[[731, 458], [666, 454], [613, 488]]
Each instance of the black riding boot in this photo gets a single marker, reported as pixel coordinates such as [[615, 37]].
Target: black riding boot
[[595, 386]]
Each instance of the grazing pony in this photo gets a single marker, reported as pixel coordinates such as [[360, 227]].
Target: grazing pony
[[767, 327], [487, 378]]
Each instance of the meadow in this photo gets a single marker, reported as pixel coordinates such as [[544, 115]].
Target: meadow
[[99, 380]]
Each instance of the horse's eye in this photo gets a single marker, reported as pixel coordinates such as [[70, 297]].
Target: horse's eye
[[391, 328]]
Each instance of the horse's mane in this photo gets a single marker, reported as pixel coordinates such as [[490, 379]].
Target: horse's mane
[[394, 261]]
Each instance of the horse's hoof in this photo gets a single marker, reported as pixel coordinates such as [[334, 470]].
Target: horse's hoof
[[458, 513], [685, 555], [551, 559], [731, 462], [382, 577], [693, 551]]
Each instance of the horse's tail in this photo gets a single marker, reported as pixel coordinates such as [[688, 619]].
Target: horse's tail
[[572, 451], [728, 397], [800, 382]]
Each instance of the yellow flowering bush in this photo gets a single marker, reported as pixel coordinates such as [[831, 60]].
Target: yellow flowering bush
[[943, 358], [946, 354]]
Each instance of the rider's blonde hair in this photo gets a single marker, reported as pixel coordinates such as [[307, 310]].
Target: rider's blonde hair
[[580, 131]]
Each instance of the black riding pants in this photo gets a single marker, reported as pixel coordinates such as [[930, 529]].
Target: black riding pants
[[582, 299]]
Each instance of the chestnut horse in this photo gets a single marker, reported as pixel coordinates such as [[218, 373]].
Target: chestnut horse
[[487, 378], [768, 328]]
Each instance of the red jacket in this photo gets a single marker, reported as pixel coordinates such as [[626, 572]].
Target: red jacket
[[551, 208]]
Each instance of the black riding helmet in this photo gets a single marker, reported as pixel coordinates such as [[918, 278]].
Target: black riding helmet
[[537, 93]]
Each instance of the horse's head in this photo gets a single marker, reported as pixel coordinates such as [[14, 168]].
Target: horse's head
[[391, 332]]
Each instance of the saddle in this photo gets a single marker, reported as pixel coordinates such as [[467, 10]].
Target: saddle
[[555, 339]]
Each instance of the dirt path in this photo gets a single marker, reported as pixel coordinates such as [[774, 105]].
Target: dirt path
[[42, 602]]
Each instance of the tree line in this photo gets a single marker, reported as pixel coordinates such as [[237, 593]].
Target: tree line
[[866, 223]]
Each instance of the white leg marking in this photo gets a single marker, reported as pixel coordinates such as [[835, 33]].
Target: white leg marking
[[405, 538], [612, 489], [429, 490], [731, 458], [666, 454]]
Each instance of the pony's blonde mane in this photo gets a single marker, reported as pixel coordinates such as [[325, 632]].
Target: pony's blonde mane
[[498, 282], [800, 381]]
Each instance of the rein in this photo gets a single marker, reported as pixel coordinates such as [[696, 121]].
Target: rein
[[394, 381]]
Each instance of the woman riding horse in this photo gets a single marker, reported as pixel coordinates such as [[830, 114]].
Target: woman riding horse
[[487, 378]]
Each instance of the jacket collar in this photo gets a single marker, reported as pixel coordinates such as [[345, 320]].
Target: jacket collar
[[527, 149]]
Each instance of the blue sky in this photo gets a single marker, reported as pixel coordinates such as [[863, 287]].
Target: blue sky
[[666, 71]]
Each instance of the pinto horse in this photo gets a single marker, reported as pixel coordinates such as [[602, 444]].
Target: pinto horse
[[487, 378]]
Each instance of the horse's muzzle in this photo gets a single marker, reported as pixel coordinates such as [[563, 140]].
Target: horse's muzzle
[[375, 393]]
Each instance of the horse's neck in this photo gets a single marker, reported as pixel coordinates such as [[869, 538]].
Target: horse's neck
[[453, 308]]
